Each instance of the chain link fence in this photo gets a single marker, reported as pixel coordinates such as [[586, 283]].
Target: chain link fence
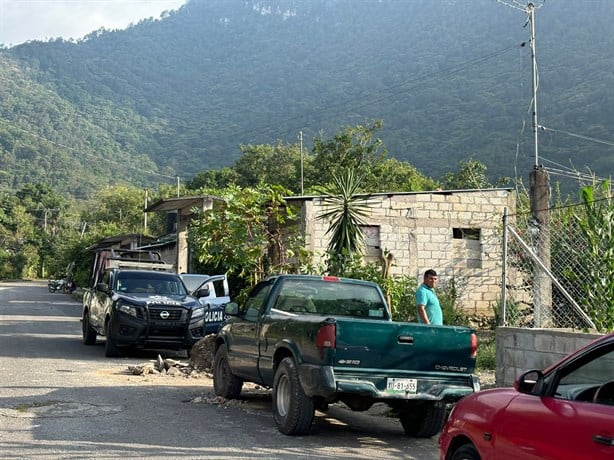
[[550, 272]]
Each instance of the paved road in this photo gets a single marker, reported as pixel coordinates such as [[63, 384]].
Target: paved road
[[60, 399]]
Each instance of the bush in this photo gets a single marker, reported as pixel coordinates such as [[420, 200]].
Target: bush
[[447, 293], [400, 292], [486, 358]]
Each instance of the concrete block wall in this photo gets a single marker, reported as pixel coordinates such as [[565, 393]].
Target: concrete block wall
[[521, 349], [418, 229]]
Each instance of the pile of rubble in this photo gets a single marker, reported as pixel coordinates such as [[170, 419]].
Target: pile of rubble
[[201, 356], [200, 362], [200, 366], [164, 366]]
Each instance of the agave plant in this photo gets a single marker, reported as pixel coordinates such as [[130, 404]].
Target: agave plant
[[346, 210]]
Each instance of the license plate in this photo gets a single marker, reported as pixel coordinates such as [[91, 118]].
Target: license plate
[[394, 385]]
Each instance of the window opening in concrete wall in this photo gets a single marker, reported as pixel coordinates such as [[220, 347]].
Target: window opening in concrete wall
[[466, 233], [372, 241], [467, 248]]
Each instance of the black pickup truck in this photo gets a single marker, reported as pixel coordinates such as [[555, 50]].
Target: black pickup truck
[[136, 301]]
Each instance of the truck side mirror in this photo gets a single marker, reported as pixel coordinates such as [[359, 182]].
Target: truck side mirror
[[231, 309], [102, 287], [203, 292]]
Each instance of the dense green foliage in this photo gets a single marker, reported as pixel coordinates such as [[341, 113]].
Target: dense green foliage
[[597, 228], [345, 211], [217, 93], [400, 291], [178, 96], [242, 233]]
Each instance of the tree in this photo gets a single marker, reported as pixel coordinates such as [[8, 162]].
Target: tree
[[117, 209], [19, 240], [471, 175], [242, 231], [284, 164], [213, 179], [392, 175], [354, 148], [267, 164], [346, 210]]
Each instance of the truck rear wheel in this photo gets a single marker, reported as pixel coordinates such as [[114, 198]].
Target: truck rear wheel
[[89, 334], [225, 383], [293, 411], [423, 420]]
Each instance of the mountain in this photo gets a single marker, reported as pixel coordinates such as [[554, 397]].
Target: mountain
[[451, 80]]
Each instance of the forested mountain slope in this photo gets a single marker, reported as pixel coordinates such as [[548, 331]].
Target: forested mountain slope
[[451, 79]]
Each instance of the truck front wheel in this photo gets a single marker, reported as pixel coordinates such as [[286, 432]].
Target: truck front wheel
[[89, 334], [423, 420], [225, 383], [111, 350], [293, 411]]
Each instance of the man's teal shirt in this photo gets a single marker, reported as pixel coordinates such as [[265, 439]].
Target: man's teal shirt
[[426, 296]]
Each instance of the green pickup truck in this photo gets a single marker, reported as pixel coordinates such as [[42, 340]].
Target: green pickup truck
[[317, 340]]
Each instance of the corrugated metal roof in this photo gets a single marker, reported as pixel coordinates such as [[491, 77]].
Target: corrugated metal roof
[[181, 203]]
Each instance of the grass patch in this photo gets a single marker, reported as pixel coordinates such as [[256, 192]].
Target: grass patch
[[26, 407], [486, 358]]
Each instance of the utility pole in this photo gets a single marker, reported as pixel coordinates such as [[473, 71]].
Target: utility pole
[[531, 12], [145, 213], [302, 182], [177, 186], [539, 192]]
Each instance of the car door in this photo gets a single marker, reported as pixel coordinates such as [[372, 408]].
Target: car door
[[244, 332], [218, 291], [98, 302], [564, 422]]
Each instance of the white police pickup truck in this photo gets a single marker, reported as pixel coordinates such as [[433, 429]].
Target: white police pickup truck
[[213, 293]]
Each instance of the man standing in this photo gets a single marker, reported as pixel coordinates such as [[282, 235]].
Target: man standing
[[427, 303]]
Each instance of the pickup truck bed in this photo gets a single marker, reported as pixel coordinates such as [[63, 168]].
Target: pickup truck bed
[[319, 340]]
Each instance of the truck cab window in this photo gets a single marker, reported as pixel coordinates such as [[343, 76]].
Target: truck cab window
[[256, 300]]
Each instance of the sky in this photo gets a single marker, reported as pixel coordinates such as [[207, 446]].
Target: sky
[[23, 20]]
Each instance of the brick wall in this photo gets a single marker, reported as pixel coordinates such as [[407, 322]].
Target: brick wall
[[519, 349], [458, 233]]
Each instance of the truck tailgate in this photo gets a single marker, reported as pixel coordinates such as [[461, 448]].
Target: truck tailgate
[[402, 349]]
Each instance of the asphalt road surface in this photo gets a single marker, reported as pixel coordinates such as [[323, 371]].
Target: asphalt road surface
[[60, 399]]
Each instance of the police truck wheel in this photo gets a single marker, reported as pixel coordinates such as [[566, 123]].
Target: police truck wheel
[[89, 334], [225, 383], [111, 350], [293, 411]]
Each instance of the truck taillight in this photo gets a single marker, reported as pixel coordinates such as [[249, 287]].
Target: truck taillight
[[325, 338], [474, 345], [330, 278]]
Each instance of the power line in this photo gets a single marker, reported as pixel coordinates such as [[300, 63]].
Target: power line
[[580, 136], [333, 111], [414, 82], [519, 6]]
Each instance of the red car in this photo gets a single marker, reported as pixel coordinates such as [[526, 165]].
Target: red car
[[564, 412]]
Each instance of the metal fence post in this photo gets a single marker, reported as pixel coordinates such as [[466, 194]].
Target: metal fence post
[[502, 318]]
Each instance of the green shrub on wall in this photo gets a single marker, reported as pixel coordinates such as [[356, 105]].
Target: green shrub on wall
[[400, 291]]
